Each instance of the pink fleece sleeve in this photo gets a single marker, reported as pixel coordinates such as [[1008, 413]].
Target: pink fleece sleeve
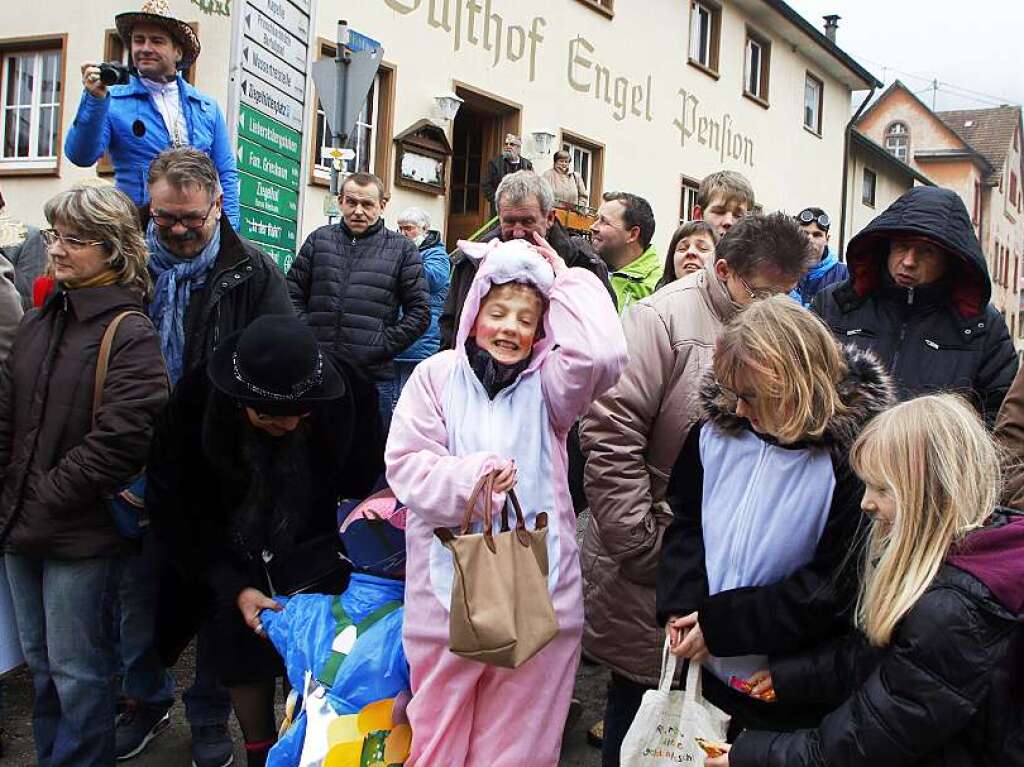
[[591, 353], [434, 484]]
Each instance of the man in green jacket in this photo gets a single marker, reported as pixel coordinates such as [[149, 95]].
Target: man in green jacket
[[622, 238]]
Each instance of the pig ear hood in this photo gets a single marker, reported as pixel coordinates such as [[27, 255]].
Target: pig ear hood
[[501, 263]]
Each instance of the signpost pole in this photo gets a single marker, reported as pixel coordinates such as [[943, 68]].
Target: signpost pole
[[342, 58]]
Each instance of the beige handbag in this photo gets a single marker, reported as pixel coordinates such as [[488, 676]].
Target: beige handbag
[[501, 610]]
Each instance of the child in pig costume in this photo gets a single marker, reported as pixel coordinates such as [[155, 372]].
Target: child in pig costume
[[537, 343]]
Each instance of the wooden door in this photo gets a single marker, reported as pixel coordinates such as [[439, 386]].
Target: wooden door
[[467, 208]]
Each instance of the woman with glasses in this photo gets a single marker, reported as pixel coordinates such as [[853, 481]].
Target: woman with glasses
[[248, 464], [568, 185], [65, 447], [759, 559]]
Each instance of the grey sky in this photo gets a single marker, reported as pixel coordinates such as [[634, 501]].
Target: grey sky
[[975, 46]]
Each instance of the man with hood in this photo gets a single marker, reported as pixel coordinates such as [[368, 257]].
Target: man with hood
[[918, 296], [828, 269]]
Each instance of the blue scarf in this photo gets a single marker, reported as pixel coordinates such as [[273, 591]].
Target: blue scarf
[[175, 278]]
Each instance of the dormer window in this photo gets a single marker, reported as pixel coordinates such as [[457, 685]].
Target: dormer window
[[897, 140]]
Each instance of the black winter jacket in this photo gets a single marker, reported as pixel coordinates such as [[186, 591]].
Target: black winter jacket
[[942, 336], [575, 251], [200, 479], [948, 690], [244, 284], [810, 602], [350, 291]]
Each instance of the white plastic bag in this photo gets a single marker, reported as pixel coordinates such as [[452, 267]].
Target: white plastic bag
[[663, 732]]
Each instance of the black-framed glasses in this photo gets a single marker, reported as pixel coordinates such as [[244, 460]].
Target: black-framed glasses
[[51, 237], [189, 220], [807, 216]]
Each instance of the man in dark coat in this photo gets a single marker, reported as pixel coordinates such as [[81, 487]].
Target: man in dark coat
[[526, 206], [918, 296], [509, 161], [208, 284], [361, 287]]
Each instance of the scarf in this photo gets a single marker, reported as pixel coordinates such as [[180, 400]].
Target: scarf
[[101, 280], [494, 375], [175, 280]]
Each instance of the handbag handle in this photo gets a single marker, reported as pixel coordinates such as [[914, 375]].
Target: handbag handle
[[103, 359], [668, 668], [485, 483], [693, 682]]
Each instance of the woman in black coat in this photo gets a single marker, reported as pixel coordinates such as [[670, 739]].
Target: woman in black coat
[[765, 508], [936, 676], [248, 464]]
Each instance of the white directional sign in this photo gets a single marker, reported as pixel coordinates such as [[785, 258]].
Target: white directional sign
[[285, 14], [269, 68], [271, 101], [273, 70], [273, 37]]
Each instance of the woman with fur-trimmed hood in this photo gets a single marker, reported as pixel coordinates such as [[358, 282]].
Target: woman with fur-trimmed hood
[[538, 342], [761, 558]]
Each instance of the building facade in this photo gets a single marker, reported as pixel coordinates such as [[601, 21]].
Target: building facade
[[976, 153], [648, 97]]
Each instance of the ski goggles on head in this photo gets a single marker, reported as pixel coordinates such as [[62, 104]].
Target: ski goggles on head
[[806, 216]]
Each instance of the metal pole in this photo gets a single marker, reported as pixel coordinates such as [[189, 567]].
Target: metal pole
[[342, 58]]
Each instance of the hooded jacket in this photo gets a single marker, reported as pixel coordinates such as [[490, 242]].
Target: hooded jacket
[[941, 336], [945, 692], [575, 251], [828, 271], [363, 295], [764, 535], [631, 437], [127, 124], [437, 270]]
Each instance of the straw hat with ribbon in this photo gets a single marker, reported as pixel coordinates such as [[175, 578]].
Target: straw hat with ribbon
[[158, 12]]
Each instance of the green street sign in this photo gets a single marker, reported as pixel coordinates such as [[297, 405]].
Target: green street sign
[[269, 230], [269, 198], [264, 130], [268, 165], [283, 258]]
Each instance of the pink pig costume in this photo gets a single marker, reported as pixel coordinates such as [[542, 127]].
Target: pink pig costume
[[445, 435]]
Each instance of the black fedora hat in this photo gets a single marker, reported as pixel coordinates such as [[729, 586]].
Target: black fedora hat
[[275, 366]]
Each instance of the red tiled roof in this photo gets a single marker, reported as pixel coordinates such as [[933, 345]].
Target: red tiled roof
[[990, 131]]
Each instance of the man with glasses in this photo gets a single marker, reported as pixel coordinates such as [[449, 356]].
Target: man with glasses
[[154, 108], [208, 284], [633, 434], [509, 161], [828, 269]]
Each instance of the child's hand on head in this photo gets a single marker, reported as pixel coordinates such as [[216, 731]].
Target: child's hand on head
[[542, 246]]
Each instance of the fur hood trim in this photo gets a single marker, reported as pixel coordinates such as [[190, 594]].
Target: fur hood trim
[[867, 390]]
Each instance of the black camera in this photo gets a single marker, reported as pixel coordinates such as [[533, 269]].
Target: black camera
[[113, 73]]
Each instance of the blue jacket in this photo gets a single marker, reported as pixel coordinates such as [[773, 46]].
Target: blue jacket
[[826, 272], [109, 125], [437, 268]]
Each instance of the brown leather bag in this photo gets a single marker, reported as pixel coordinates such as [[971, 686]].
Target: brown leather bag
[[501, 611]]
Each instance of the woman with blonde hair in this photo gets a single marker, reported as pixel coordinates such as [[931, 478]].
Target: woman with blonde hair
[[934, 675], [756, 561], [64, 449]]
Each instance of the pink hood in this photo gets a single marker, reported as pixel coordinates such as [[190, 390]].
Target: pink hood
[[500, 263]]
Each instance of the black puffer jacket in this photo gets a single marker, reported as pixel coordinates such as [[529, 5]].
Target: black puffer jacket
[[243, 284], [350, 289], [948, 691], [575, 251], [942, 336]]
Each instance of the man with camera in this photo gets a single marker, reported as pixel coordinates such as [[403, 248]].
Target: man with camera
[[135, 113]]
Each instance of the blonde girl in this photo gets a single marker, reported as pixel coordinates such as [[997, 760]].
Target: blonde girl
[[934, 675], [765, 507]]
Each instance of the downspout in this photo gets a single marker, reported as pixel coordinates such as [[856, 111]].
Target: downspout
[[846, 171]]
